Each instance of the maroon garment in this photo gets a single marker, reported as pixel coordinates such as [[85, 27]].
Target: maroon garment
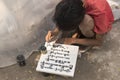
[[101, 12]]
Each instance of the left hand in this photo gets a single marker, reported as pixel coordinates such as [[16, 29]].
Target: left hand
[[65, 40]]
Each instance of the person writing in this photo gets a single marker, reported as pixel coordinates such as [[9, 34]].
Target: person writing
[[83, 22]]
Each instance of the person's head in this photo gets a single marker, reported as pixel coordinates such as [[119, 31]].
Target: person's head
[[69, 14]]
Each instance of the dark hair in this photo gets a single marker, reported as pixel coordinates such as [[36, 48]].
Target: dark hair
[[69, 14]]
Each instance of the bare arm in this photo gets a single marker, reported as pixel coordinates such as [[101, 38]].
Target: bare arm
[[87, 42], [94, 42]]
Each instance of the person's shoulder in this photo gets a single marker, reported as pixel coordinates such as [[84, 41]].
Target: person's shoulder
[[97, 5], [95, 2]]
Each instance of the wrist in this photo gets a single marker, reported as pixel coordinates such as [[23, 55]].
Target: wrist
[[74, 40]]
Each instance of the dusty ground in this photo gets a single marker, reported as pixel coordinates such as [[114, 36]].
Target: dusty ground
[[97, 64]]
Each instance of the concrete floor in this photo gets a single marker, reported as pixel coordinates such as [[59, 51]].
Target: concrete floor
[[97, 64], [29, 23]]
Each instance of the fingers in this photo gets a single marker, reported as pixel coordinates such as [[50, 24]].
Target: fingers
[[75, 35], [48, 36]]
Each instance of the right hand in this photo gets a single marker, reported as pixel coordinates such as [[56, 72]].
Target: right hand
[[50, 35]]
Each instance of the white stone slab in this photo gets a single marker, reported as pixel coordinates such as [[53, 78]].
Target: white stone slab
[[60, 59]]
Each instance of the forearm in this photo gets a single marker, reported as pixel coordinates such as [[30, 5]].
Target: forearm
[[88, 42]]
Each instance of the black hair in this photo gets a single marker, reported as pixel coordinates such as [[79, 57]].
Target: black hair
[[69, 14]]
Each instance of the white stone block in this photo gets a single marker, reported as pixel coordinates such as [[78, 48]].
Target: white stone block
[[60, 59]]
